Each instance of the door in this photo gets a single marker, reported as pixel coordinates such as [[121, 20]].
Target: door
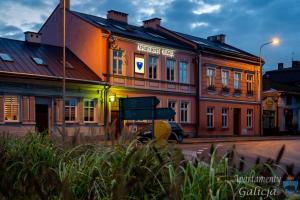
[[236, 121], [41, 117], [115, 120]]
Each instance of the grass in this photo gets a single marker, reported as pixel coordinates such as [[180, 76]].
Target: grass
[[34, 167]]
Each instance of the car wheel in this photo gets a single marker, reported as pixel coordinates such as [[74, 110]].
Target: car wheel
[[179, 138]]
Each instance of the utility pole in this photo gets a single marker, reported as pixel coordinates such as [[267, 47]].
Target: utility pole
[[64, 72]]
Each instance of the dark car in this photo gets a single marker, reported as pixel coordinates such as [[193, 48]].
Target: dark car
[[177, 133]]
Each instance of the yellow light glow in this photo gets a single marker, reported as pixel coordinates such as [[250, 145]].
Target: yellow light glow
[[112, 98], [275, 41]]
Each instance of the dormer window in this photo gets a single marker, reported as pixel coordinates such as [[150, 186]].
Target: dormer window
[[38, 61], [119, 27], [6, 57]]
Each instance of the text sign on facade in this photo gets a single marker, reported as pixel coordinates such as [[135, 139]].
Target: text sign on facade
[[148, 114], [138, 102], [155, 50]]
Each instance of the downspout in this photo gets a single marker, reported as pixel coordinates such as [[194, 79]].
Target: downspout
[[106, 90], [198, 91]]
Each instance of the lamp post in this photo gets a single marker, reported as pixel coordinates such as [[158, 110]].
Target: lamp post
[[274, 41]]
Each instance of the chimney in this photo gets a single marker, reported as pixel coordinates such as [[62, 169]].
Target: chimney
[[152, 23], [61, 4], [33, 37], [217, 38], [296, 64], [280, 66], [117, 16]]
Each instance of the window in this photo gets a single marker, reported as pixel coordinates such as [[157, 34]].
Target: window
[[170, 70], [117, 62], [11, 108], [172, 104], [152, 67], [225, 78], [224, 117], [89, 110], [237, 80], [6, 57], [210, 117], [182, 72], [249, 118], [184, 112], [70, 110], [38, 61], [249, 83], [210, 73]]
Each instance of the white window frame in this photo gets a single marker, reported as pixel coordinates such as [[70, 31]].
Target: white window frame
[[182, 70], [173, 107], [152, 67], [186, 109], [249, 118], [117, 59], [210, 77], [95, 105], [210, 117], [70, 107], [239, 81], [170, 70], [250, 82], [223, 77], [11, 106], [225, 117]]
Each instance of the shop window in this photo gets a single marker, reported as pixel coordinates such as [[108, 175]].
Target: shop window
[[11, 108]]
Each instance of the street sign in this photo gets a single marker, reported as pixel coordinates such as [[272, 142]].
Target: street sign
[[148, 114], [139, 102]]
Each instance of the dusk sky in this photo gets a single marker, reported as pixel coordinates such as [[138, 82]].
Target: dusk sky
[[246, 23]]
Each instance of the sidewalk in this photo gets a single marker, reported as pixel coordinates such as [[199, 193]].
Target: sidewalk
[[237, 139]]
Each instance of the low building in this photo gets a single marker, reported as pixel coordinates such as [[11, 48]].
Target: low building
[[281, 104]]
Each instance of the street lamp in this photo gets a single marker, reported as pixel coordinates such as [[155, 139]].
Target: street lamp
[[275, 41]]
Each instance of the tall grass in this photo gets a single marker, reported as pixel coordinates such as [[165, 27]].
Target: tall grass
[[34, 167]]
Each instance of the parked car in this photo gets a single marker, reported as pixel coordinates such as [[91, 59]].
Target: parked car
[[177, 133]]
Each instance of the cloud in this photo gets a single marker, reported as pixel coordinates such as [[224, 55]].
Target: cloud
[[199, 24], [205, 8]]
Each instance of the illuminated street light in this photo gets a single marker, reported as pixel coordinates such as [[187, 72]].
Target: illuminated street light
[[112, 98], [275, 41]]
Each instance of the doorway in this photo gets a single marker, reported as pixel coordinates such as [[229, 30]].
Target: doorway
[[41, 117], [236, 121], [115, 120]]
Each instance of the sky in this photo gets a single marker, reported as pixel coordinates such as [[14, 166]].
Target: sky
[[246, 23]]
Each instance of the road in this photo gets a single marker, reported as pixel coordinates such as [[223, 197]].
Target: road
[[251, 150]]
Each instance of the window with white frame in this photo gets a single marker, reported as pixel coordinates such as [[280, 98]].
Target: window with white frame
[[210, 117], [224, 117], [210, 74], [152, 66], [172, 104], [70, 110], [89, 110], [237, 80], [170, 70], [225, 78], [249, 118], [11, 108], [184, 111], [183, 72], [117, 61], [249, 83]]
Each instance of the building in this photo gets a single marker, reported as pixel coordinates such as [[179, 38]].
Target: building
[[281, 105], [31, 89], [212, 86]]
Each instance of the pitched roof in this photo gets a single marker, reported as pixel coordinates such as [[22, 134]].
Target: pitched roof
[[286, 75], [279, 86], [23, 63], [131, 31]]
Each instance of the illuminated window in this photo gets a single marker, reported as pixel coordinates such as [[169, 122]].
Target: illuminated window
[[170, 70], [210, 117], [38, 61], [70, 110], [210, 74], [237, 80], [182, 72], [172, 104], [249, 83], [152, 67], [11, 108], [89, 110], [249, 118], [184, 112], [225, 78], [6, 57], [117, 62], [224, 117]]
